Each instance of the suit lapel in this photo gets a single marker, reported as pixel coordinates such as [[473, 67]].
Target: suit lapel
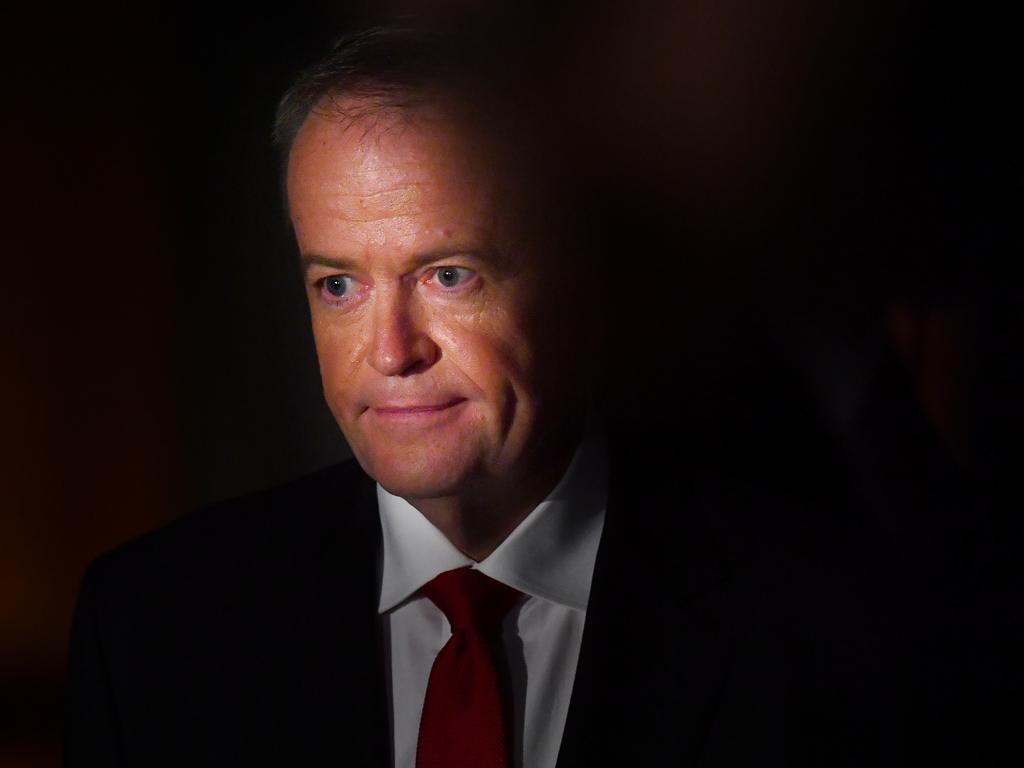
[[658, 646], [340, 692]]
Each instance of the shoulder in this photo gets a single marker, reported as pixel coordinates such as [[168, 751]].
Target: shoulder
[[230, 545], [192, 637]]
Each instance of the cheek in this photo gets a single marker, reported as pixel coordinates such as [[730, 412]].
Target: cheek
[[339, 351], [493, 354]]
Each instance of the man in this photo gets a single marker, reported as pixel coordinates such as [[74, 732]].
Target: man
[[451, 368], [436, 303], [491, 582]]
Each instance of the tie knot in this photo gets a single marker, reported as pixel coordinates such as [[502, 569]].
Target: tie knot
[[471, 600]]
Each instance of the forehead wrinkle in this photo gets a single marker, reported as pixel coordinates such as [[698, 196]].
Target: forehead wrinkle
[[403, 200], [398, 203]]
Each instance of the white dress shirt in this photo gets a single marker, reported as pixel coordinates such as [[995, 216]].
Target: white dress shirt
[[549, 557]]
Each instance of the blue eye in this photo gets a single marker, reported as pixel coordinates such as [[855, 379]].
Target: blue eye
[[337, 286], [451, 277]]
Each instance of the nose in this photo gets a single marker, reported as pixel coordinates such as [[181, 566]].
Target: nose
[[400, 344]]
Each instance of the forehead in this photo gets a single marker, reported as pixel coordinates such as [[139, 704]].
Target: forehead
[[388, 164]]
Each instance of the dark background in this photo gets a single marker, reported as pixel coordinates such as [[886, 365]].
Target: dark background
[[157, 351], [753, 173]]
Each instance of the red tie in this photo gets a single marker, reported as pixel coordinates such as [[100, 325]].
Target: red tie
[[463, 720]]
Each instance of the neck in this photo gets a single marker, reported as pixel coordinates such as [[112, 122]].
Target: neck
[[477, 522]]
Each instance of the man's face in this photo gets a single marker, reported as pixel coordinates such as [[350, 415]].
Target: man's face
[[428, 307]]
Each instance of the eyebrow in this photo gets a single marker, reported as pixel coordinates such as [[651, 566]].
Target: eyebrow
[[309, 260], [342, 264]]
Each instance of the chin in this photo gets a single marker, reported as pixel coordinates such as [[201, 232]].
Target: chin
[[409, 485], [418, 477]]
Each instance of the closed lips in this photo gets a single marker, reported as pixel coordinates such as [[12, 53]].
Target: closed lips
[[417, 407]]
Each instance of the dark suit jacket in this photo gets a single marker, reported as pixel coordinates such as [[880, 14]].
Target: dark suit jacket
[[728, 625]]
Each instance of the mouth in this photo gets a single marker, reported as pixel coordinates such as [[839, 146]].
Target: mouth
[[415, 409]]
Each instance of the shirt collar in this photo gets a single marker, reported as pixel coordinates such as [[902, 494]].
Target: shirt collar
[[550, 554]]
